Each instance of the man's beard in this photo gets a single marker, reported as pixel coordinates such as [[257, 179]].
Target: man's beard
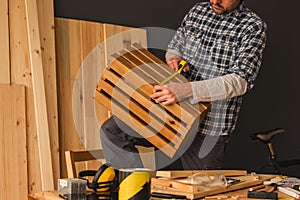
[[219, 9]]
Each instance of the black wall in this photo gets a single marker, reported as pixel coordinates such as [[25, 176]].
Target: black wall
[[274, 102]]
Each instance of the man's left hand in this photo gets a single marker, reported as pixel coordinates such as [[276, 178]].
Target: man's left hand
[[171, 93]]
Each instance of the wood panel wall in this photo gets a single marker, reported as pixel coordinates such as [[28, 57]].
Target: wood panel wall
[[63, 46], [83, 50]]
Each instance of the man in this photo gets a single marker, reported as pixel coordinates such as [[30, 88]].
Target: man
[[222, 42]]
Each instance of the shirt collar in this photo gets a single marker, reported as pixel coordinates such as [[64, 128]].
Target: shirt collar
[[238, 9]]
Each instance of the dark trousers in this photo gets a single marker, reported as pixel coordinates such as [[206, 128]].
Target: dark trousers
[[119, 141]]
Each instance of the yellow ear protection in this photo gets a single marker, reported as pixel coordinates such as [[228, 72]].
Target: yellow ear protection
[[105, 179]]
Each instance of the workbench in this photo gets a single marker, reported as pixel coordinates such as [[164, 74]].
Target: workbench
[[238, 194]]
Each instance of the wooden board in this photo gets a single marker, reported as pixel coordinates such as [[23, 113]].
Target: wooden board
[[46, 27], [21, 74], [13, 152], [20, 66], [193, 191], [4, 41], [186, 173], [125, 89], [68, 59], [46, 169], [92, 64]]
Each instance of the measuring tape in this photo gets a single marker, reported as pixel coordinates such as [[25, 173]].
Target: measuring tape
[[181, 65]]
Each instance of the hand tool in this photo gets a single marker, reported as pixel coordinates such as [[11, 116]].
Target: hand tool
[[262, 195], [181, 65], [256, 188], [296, 187], [167, 196]]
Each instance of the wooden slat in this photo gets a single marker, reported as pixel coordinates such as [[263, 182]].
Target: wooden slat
[[34, 175], [186, 173], [13, 152], [21, 74], [46, 27], [4, 41], [90, 70], [68, 60], [46, 169], [20, 64]]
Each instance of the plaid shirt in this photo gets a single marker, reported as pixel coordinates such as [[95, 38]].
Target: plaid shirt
[[216, 45]]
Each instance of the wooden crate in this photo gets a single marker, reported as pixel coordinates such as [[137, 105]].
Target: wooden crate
[[125, 88], [190, 191]]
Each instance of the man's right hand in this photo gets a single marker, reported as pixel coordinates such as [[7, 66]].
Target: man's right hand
[[173, 63]]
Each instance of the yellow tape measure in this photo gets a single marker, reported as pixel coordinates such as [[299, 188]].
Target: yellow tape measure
[[181, 65]]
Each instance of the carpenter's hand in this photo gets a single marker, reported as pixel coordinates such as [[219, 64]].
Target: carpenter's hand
[[171, 93], [173, 63]]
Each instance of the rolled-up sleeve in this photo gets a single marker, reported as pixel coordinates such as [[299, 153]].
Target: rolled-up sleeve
[[250, 52]]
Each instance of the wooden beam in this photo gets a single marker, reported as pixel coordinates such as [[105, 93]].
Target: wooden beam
[[68, 60], [4, 41], [39, 95], [47, 36], [186, 173]]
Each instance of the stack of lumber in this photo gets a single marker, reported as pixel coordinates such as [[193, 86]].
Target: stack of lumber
[[39, 59], [28, 80]]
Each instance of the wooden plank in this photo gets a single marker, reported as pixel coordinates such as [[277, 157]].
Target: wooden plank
[[34, 175], [47, 35], [39, 95], [20, 64], [21, 74], [90, 69], [13, 152], [4, 41], [186, 173], [68, 60]]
